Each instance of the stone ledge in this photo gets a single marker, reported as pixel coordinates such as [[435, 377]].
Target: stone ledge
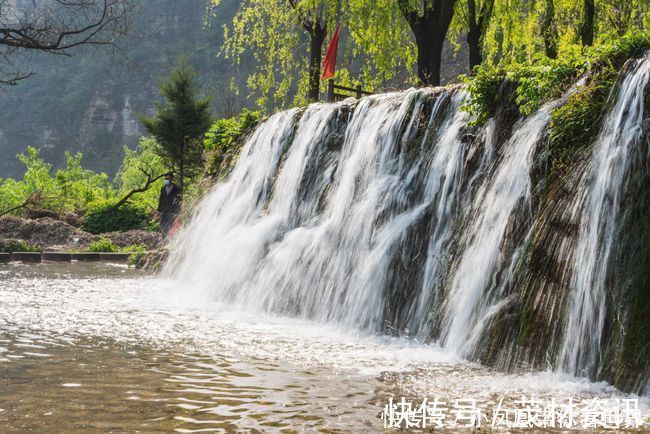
[[85, 257], [57, 256], [114, 257], [26, 256]]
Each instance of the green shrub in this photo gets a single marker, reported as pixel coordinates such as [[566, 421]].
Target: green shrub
[[137, 253], [135, 248], [223, 134], [222, 142], [484, 91], [575, 124], [101, 218], [102, 245], [544, 81], [9, 246], [547, 79]]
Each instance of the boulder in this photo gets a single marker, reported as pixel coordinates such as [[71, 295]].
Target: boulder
[[151, 261]]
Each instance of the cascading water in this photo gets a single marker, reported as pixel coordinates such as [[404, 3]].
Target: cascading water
[[315, 233], [616, 145], [473, 284], [393, 214]]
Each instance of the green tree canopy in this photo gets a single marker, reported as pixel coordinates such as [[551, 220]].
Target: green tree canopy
[[180, 123]]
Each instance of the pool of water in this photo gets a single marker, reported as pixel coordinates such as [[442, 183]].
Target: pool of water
[[97, 347]]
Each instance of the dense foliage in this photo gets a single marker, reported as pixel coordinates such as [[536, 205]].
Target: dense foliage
[[546, 79], [378, 46], [223, 140], [101, 217], [68, 189]]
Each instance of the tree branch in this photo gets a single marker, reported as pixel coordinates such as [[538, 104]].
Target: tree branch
[[142, 189], [22, 205], [58, 26]]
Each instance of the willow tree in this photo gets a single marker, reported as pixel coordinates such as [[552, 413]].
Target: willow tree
[[521, 30], [472, 19], [283, 39], [381, 44], [429, 21], [281, 42], [618, 17]]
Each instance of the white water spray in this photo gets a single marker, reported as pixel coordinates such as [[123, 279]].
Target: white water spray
[[480, 253], [316, 233], [613, 150]]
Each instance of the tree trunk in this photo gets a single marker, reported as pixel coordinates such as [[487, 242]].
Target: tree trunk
[[430, 31], [316, 38], [477, 23], [429, 56], [548, 30], [473, 37], [587, 31], [474, 44]]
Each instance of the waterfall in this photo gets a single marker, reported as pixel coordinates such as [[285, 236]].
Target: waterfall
[[616, 145], [473, 287], [314, 228], [394, 214]]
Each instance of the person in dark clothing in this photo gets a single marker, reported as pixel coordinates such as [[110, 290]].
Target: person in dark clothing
[[169, 204]]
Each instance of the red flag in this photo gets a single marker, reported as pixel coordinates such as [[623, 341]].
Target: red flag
[[329, 65]]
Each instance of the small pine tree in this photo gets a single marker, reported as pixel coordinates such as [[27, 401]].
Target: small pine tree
[[180, 123]]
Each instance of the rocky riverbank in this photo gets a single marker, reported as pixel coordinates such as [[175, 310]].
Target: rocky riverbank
[[48, 233]]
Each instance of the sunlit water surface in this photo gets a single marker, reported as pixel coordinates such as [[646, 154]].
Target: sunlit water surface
[[88, 348]]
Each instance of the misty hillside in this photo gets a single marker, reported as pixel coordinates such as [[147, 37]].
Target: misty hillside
[[90, 102]]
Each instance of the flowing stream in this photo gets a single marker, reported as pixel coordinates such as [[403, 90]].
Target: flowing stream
[[87, 348]]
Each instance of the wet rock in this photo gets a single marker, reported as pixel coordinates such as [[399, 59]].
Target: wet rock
[[151, 261]]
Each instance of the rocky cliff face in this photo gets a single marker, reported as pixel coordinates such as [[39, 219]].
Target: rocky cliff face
[[90, 102]]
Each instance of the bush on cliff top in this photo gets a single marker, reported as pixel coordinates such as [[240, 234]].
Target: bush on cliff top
[[546, 79], [222, 142]]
